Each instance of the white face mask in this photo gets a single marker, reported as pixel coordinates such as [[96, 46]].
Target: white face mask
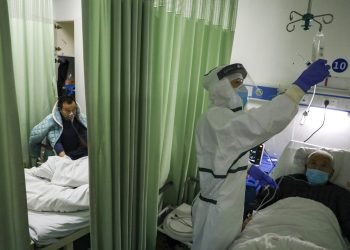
[[242, 91]]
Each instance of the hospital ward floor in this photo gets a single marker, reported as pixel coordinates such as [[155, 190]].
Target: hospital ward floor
[[166, 243]]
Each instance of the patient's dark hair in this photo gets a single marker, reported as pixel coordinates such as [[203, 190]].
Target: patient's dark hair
[[65, 99]]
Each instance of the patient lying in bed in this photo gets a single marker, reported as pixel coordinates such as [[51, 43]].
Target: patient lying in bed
[[292, 223], [314, 185], [58, 185]]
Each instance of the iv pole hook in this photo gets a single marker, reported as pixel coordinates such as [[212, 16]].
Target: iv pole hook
[[308, 17]]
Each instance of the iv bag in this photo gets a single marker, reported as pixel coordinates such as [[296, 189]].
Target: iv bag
[[317, 46]]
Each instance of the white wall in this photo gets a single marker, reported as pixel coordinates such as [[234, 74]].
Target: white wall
[[64, 38], [268, 51], [66, 10], [70, 10], [333, 134]]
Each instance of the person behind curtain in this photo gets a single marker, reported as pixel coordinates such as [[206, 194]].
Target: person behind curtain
[[224, 136], [65, 129], [62, 75]]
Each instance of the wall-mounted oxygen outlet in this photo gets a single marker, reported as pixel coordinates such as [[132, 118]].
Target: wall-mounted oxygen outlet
[[341, 103]]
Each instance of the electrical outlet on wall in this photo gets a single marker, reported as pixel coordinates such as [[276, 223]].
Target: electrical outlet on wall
[[333, 102]]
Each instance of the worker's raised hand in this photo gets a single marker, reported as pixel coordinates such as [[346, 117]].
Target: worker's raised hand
[[262, 177], [314, 74]]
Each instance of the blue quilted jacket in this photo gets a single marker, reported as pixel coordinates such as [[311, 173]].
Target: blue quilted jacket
[[51, 127]]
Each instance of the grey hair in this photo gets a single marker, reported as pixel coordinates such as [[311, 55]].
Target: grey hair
[[321, 152]]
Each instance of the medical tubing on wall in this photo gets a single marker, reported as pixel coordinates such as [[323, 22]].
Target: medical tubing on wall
[[307, 110], [312, 98], [324, 119]]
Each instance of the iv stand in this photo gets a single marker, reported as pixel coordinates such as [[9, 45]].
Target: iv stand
[[307, 18]]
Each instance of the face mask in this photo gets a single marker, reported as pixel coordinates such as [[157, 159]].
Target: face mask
[[242, 91], [316, 177]]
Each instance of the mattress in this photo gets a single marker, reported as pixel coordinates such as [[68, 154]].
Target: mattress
[[47, 227]]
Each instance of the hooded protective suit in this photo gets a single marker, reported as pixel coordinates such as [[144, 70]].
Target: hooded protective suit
[[224, 136]]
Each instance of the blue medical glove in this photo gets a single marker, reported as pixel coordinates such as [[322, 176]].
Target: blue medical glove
[[314, 74], [261, 176]]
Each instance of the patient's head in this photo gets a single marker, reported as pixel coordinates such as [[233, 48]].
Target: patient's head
[[67, 107], [319, 167]]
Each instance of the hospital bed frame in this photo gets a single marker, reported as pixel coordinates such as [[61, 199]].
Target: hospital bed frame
[[66, 242]]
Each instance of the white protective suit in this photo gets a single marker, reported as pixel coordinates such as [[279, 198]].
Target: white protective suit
[[223, 141]]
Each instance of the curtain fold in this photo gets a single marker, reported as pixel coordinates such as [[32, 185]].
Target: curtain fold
[[189, 38], [143, 66], [13, 209], [123, 184], [32, 39], [212, 12]]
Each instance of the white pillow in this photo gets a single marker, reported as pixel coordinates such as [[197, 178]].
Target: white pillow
[[293, 158], [286, 164]]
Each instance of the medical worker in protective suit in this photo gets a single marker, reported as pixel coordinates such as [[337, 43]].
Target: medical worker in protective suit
[[224, 136]]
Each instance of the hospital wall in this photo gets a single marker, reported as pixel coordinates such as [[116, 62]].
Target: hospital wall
[[333, 134], [70, 10], [270, 54]]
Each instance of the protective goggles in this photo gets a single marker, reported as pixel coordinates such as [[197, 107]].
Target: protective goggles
[[231, 69]]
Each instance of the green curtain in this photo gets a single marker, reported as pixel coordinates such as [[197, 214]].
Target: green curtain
[[123, 185], [189, 38], [32, 39], [13, 209], [143, 65]]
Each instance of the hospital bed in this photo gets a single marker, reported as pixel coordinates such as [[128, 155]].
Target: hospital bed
[[70, 216], [298, 223], [292, 223], [51, 231]]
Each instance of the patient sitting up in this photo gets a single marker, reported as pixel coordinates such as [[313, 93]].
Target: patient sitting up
[[314, 184]]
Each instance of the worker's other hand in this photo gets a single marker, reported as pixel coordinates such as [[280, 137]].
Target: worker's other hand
[[262, 177], [62, 154], [314, 74]]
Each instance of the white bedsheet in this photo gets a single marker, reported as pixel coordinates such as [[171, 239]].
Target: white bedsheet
[[63, 171], [59, 185], [292, 223], [46, 227]]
